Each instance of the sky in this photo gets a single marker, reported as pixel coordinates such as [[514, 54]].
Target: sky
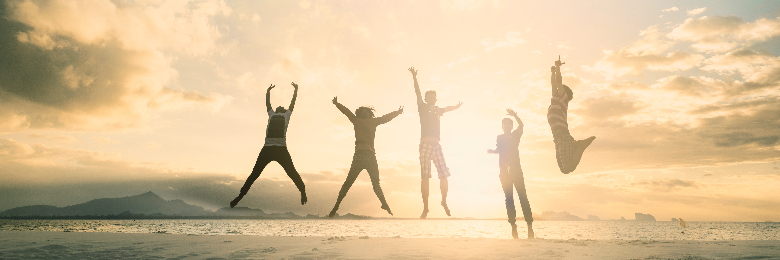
[[116, 98]]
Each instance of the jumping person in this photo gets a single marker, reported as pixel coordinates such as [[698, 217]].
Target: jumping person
[[275, 148], [430, 149], [511, 173], [365, 156], [568, 152]]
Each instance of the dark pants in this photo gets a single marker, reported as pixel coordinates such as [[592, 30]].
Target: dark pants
[[513, 175], [280, 155], [363, 159]]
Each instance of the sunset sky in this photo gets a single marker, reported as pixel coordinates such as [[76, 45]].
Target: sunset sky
[[116, 98]]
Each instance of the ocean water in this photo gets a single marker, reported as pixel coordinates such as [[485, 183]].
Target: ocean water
[[600, 230]]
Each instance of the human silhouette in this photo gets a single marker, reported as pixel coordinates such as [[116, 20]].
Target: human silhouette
[[511, 173], [365, 156], [430, 149], [568, 152], [275, 148]]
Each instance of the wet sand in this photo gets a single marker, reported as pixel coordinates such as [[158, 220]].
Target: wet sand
[[83, 245]]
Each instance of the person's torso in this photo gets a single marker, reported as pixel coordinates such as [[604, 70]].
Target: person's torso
[[430, 123], [508, 149], [365, 132], [557, 113], [276, 131]]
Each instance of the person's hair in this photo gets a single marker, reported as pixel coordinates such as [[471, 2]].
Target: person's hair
[[568, 92], [507, 120], [430, 92], [364, 112]]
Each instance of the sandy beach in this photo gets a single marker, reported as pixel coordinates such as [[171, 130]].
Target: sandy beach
[[83, 245]]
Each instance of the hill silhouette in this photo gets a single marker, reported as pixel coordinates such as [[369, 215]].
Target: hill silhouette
[[147, 203]]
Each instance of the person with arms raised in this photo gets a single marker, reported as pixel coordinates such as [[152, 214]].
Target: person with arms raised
[[430, 149], [275, 148], [510, 172], [365, 125], [568, 152]]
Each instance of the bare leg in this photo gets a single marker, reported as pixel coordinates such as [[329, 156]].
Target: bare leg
[[514, 231], [424, 187], [530, 230], [577, 156], [444, 186]]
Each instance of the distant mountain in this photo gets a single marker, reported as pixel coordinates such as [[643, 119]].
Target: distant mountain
[[644, 217], [146, 204]]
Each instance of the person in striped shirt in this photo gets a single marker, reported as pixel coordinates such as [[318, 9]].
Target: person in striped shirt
[[568, 152]]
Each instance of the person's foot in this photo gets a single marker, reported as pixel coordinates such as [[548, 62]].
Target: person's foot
[[446, 209], [530, 233], [424, 214], [386, 207], [303, 198], [582, 144], [236, 200], [332, 213], [514, 232]]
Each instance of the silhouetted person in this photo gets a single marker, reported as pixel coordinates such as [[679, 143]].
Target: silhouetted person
[[275, 148], [430, 149], [365, 156], [511, 173], [568, 152]]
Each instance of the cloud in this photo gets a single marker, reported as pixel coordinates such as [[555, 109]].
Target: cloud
[[607, 107], [511, 39], [723, 33], [98, 65], [667, 184], [693, 86], [672, 9], [615, 64], [697, 11], [758, 70]]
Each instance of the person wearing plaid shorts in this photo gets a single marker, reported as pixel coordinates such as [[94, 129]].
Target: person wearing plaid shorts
[[511, 174], [365, 156], [568, 152], [430, 149]]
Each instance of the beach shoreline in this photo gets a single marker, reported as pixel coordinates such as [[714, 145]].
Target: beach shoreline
[[74, 245]]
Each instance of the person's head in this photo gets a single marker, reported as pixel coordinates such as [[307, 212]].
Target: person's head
[[430, 97], [364, 112], [507, 125], [568, 92], [280, 109]]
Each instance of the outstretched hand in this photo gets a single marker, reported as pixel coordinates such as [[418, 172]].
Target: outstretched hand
[[295, 85], [335, 100], [401, 109], [458, 105], [558, 62], [413, 71], [511, 112], [272, 86]]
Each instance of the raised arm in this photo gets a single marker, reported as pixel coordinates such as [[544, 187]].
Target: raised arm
[[555, 79], [416, 86], [343, 109], [268, 98], [386, 118], [519, 130], [450, 108], [295, 95]]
